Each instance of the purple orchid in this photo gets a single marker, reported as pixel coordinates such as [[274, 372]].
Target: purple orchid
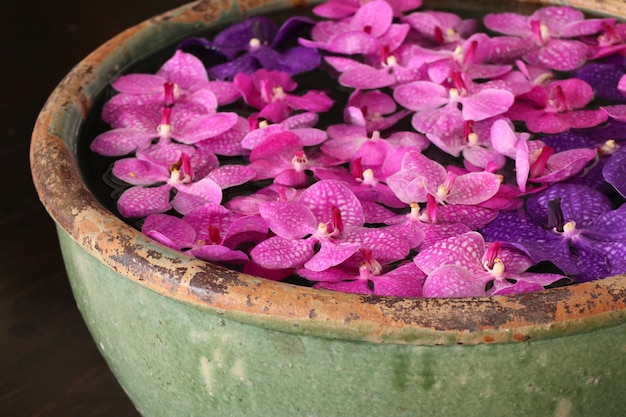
[[547, 37], [464, 266], [572, 226], [557, 107], [256, 43], [606, 77], [268, 91]]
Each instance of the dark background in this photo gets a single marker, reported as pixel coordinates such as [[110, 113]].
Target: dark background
[[49, 366]]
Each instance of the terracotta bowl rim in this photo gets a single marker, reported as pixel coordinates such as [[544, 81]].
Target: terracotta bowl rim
[[274, 305]]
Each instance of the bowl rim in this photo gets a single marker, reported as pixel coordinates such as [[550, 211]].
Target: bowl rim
[[280, 306]]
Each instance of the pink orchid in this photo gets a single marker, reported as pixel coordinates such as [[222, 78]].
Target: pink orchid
[[268, 91], [181, 79], [557, 107], [471, 58], [373, 110], [404, 281], [282, 156], [421, 176], [210, 232], [327, 213], [534, 160], [348, 142], [358, 34], [338, 9], [437, 107], [142, 199], [440, 29], [463, 266], [547, 37], [144, 125], [301, 124]]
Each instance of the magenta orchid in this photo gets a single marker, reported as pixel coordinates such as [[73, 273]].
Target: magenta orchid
[[383, 150]]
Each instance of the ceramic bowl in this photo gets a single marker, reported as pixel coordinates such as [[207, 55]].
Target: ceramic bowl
[[185, 338]]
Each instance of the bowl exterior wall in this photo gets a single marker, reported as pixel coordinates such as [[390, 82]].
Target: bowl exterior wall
[[172, 356]]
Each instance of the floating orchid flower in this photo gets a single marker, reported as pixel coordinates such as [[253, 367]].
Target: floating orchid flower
[[440, 29], [301, 124], [210, 232], [373, 110], [464, 266], [472, 141], [421, 176], [471, 58], [326, 213], [614, 171], [557, 107], [338, 9], [534, 160], [142, 199], [606, 77], [349, 142], [268, 91], [145, 125], [358, 34], [611, 41], [423, 228], [181, 79], [437, 107], [256, 43], [572, 226], [548, 34], [404, 281], [282, 156]]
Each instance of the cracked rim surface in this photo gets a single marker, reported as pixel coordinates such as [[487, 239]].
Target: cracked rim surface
[[545, 314]]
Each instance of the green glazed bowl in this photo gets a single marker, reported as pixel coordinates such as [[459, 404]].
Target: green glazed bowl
[[185, 338]]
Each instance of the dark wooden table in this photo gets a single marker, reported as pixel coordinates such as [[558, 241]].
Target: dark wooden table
[[49, 366]]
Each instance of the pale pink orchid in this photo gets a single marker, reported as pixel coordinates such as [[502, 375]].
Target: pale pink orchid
[[547, 37], [437, 107], [421, 176]]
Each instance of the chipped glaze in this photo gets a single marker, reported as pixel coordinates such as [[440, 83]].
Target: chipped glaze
[[91, 234]]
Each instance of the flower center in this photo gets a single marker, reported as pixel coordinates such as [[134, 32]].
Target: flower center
[[180, 172], [278, 94], [254, 43], [540, 32], [165, 128], [299, 161], [443, 191], [609, 147], [556, 220]]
